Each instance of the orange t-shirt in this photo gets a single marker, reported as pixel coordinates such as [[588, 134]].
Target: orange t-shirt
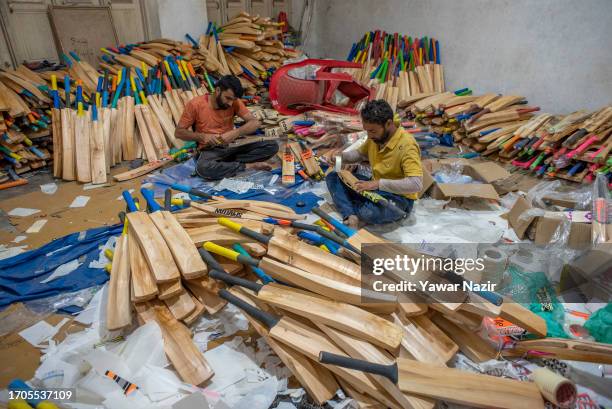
[[199, 112]]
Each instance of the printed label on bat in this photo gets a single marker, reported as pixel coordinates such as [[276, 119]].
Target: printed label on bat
[[229, 213], [307, 154]]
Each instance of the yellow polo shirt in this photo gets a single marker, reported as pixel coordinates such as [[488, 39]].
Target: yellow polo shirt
[[400, 157]]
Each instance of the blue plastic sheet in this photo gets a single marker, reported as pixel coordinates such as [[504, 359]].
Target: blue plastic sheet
[[21, 276], [285, 195]]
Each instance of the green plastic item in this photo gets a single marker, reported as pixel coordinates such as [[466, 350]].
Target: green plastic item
[[599, 325], [534, 291]]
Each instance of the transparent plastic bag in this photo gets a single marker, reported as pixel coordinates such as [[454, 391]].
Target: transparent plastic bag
[[581, 197], [602, 214], [452, 173], [57, 302]]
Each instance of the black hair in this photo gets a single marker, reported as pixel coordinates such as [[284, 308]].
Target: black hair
[[231, 82], [377, 112]]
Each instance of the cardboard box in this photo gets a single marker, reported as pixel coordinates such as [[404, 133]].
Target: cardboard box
[[486, 172], [547, 223]]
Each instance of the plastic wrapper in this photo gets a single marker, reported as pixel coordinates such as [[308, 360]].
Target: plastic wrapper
[[509, 200], [602, 212], [452, 173], [538, 194], [61, 301]]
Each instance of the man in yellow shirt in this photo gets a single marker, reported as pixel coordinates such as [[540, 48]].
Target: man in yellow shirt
[[395, 158]]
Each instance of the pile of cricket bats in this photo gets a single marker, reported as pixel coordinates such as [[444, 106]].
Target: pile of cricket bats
[[24, 122], [396, 66], [574, 147], [299, 285]]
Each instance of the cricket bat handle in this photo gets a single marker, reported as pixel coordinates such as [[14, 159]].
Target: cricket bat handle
[[149, 197], [266, 319], [347, 231], [210, 261], [388, 371], [230, 279]]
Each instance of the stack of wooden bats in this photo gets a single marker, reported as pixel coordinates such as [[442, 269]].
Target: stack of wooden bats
[[397, 66], [574, 147], [299, 285], [24, 121]]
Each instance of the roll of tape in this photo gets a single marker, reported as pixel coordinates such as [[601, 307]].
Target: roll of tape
[[338, 166], [494, 261], [555, 388]]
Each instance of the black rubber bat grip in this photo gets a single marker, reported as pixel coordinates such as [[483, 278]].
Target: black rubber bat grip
[[230, 279], [388, 371], [211, 262], [265, 318]]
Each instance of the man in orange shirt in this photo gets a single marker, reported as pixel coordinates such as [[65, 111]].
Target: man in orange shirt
[[209, 120]]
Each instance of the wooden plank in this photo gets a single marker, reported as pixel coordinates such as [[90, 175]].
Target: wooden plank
[[310, 342], [145, 136], [156, 252], [326, 286], [143, 282], [98, 153], [181, 305], [128, 140], [56, 130], [205, 289], [316, 379], [180, 349], [106, 126], [425, 341], [169, 289], [521, 316], [82, 147], [466, 388], [356, 347], [346, 317], [118, 307], [570, 349], [310, 258], [197, 312], [183, 250], [469, 343], [142, 170]]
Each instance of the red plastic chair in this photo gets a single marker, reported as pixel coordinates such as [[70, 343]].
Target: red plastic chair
[[292, 96]]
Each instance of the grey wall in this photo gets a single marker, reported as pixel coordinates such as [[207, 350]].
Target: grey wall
[[557, 53], [174, 18]]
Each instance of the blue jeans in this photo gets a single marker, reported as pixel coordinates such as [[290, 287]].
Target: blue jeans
[[349, 203]]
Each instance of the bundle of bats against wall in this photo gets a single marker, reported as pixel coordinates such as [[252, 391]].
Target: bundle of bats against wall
[[299, 285], [574, 147], [397, 66], [25, 124]]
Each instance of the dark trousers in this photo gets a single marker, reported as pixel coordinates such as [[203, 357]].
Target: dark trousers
[[223, 161], [349, 202]]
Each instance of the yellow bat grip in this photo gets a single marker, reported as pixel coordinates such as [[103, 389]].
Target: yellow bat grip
[[54, 82], [222, 251], [177, 201], [46, 405], [109, 254], [18, 404], [223, 221]]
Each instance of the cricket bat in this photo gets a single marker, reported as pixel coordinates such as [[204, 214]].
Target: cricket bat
[[451, 385], [288, 167], [309, 341], [345, 317]]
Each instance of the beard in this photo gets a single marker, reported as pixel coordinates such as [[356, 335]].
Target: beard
[[220, 103], [384, 139]]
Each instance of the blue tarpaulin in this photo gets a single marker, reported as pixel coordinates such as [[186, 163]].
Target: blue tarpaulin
[[21, 276]]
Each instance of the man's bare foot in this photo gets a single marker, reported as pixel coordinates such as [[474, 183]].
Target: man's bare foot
[[352, 221], [258, 166]]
